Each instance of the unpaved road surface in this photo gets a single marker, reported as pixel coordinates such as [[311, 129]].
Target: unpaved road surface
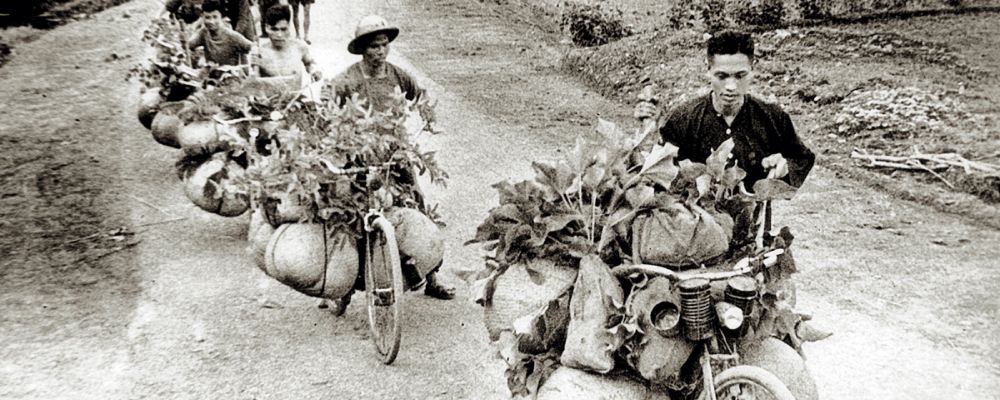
[[909, 292]]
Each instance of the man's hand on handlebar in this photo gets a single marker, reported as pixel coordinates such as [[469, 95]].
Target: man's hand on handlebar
[[776, 165], [645, 109]]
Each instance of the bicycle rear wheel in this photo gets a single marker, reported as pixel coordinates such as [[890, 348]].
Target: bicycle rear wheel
[[384, 289]]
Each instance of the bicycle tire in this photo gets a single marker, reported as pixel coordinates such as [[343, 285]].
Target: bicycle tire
[[741, 376], [384, 289]]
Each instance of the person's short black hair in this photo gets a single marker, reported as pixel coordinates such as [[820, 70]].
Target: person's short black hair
[[212, 5], [730, 42], [276, 14]]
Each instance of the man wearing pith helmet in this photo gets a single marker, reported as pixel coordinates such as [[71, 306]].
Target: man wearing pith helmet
[[373, 78]]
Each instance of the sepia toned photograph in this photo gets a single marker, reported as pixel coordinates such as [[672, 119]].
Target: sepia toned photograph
[[500, 199]]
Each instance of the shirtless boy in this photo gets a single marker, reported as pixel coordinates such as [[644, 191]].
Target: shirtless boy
[[282, 57]]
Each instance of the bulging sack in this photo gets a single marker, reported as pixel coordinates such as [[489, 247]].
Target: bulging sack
[[681, 235], [570, 383], [420, 240], [517, 294], [205, 187], [259, 235], [307, 259], [589, 344]]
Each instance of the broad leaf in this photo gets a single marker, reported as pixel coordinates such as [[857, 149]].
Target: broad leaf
[[716, 162], [556, 178], [704, 185], [639, 196], [557, 222], [593, 177], [659, 167], [610, 131]]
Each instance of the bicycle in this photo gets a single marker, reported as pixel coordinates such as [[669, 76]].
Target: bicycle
[[382, 269], [712, 322]]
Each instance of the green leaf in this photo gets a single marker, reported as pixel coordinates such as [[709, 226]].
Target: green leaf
[[609, 130], [639, 196], [659, 155], [771, 189], [557, 222], [732, 177], [556, 178], [716, 162], [582, 156], [704, 185], [593, 177], [658, 167]]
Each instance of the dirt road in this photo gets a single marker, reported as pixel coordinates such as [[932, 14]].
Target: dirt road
[[908, 291]]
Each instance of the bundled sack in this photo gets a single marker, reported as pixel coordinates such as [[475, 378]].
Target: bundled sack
[[205, 184], [165, 124], [204, 133], [570, 383], [282, 208], [681, 235], [784, 362], [259, 235], [311, 260], [590, 345], [149, 106], [420, 240], [518, 292]]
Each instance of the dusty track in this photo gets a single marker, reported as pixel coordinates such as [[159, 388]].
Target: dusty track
[[908, 291]]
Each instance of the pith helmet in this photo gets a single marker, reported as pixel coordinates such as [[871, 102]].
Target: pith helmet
[[367, 28]]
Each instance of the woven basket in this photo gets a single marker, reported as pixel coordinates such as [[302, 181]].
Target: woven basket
[[517, 295]]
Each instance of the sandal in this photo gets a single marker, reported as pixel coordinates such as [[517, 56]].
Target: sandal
[[438, 290]]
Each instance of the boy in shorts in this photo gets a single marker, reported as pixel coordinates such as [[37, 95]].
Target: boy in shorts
[[304, 22]]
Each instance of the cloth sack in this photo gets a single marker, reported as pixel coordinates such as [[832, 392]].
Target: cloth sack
[[590, 345], [681, 235]]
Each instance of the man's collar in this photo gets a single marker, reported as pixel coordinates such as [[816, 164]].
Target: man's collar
[[710, 98], [365, 66]]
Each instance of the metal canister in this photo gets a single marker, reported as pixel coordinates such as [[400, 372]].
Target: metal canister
[[696, 308]]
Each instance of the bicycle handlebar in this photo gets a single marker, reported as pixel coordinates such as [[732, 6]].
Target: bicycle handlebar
[[742, 267], [356, 170]]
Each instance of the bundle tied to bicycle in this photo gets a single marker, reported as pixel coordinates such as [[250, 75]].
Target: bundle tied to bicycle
[[313, 171], [553, 304]]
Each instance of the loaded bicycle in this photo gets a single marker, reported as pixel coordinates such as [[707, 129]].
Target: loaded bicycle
[[712, 308], [380, 266]]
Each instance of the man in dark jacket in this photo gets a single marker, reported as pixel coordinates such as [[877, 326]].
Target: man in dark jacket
[[765, 141]]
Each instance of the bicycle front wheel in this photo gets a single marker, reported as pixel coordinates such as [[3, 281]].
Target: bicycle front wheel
[[384, 289], [747, 382]]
